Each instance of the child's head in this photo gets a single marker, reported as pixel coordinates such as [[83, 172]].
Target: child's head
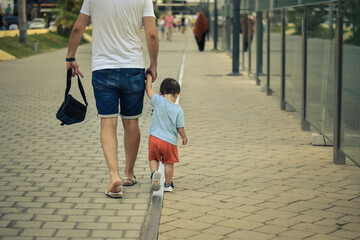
[[169, 86]]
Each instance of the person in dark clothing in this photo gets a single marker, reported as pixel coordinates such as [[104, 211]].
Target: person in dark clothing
[[244, 29], [3, 24], [200, 30]]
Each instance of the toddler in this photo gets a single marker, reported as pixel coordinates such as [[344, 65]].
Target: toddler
[[167, 120]]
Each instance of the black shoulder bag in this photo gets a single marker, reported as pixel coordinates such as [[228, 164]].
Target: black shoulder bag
[[71, 110]]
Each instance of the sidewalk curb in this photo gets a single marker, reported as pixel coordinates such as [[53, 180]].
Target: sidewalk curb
[[156, 202]]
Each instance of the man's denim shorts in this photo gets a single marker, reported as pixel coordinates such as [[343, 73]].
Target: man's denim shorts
[[124, 85]]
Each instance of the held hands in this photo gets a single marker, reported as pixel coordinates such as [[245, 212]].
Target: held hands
[[152, 70]]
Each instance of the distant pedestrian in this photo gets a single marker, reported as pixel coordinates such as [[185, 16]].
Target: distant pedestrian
[[161, 26], [166, 122], [3, 24], [200, 30], [183, 24], [244, 29], [169, 25], [8, 10], [118, 74]]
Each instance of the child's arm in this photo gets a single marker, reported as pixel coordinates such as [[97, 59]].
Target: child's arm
[[183, 135], [148, 87]]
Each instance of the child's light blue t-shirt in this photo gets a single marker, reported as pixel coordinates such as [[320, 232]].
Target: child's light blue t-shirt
[[167, 117]]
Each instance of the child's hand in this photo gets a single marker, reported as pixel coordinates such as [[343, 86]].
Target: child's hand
[[148, 77], [185, 140]]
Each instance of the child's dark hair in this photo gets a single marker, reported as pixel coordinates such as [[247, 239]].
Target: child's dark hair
[[169, 86]]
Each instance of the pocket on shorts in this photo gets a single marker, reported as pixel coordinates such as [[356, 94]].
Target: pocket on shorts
[[135, 80], [100, 79]]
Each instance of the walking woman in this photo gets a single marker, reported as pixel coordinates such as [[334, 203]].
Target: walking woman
[[200, 30]]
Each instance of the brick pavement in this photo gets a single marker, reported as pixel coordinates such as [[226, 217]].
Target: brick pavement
[[248, 171], [53, 178]]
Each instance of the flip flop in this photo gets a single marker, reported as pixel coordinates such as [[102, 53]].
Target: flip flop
[[113, 194], [133, 181]]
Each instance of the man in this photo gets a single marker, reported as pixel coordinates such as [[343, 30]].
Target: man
[[118, 74]]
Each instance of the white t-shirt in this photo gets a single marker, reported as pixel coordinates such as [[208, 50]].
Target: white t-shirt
[[116, 36]]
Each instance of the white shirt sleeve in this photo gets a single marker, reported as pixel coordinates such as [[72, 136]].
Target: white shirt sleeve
[[85, 9], [148, 9]]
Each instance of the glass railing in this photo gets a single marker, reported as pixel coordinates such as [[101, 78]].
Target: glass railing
[[350, 117], [321, 60]]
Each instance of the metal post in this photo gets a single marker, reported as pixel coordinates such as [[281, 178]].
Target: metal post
[[215, 24], [249, 44], [236, 33], [283, 55], [268, 90], [228, 27], [243, 44], [338, 155], [259, 46], [305, 126]]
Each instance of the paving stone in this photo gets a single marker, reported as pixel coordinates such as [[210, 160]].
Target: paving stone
[[244, 234], [28, 224], [38, 232], [9, 231], [59, 225]]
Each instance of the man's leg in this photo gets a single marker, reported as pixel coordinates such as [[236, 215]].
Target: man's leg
[[131, 144], [109, 144]]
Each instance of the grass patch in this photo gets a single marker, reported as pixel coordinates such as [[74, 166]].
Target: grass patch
[[46, 43], [89, 32]]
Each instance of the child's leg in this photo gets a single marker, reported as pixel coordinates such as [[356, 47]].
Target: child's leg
[[154, 165], [169, 172]]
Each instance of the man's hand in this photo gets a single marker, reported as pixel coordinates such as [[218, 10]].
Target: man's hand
[[153, 72], [75, 68]]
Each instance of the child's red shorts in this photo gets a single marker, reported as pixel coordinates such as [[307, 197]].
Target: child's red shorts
[[162, 151]]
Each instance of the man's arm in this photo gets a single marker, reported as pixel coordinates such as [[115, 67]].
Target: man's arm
[[152, 41], [148, 87], [74, 41]]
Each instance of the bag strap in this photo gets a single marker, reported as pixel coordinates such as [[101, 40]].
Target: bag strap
[[68, 85]]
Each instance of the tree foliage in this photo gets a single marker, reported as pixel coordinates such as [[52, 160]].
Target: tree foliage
[[352, 13], [66, 15]]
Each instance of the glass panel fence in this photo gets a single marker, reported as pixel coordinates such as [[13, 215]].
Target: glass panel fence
[[275, 50], [350, 124], [263, 57], [293, 66], [321, 67]]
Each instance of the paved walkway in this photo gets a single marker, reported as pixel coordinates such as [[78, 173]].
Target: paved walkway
[[53, 178], [248, 171]]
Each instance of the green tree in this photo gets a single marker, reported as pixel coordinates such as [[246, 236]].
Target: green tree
[[66, 15], [352, 13]]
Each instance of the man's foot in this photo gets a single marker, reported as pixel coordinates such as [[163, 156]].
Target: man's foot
[[114, 186], [128, 181], [155, 181], [169, 187]]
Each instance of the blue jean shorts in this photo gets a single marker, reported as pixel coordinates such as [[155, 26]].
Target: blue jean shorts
[[121, 85]]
